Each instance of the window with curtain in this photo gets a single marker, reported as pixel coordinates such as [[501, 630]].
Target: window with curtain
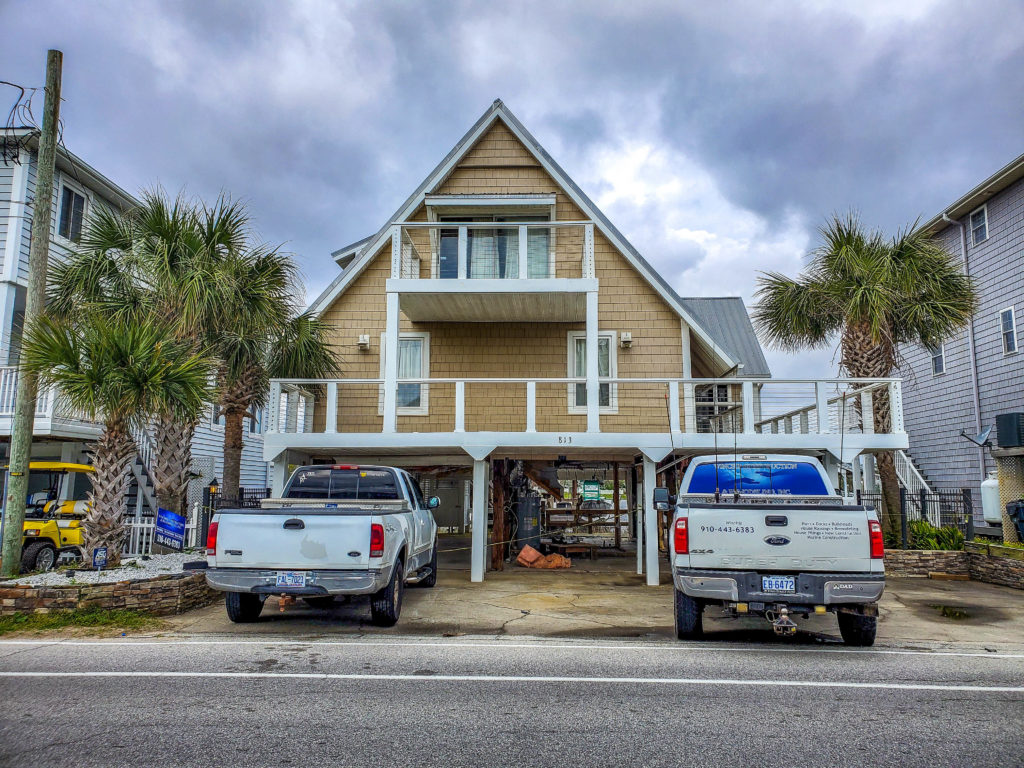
[[411, 399], [72, 215], [605, 368], [494, 253], [410, 366]]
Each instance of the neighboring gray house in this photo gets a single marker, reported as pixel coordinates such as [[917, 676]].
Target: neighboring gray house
[[59, 435], [972, 377]]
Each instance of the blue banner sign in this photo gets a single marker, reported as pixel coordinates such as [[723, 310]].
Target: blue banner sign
[[99, 558], [170, 530]]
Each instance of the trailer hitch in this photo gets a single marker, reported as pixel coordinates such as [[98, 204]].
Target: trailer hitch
[[781, 622]]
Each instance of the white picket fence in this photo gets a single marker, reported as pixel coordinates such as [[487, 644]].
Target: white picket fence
[[140, 533]]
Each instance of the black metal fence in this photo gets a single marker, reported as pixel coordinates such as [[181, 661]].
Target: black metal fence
[[248, 498], [941, 508]]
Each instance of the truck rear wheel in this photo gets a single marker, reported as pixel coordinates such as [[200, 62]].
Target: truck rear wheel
[[38, 556], [689, 617], [857, 629], [243, 607], [386, 605]]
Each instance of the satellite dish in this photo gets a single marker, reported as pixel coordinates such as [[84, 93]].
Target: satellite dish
[[981, 440]]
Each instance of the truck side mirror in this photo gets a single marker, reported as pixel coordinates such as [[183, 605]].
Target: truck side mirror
[[662, 500], [433, 502]]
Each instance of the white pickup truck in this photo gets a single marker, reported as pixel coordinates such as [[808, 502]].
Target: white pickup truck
[[767, 535], [338, 530]]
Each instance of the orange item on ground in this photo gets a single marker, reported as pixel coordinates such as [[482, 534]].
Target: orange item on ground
[[531, 558]]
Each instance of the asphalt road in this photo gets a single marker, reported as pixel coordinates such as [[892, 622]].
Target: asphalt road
[[410, 702]]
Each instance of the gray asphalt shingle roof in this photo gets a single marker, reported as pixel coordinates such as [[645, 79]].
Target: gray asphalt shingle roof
[[726, 320]]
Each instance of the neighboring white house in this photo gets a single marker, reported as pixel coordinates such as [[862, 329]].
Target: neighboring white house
[[59, 435]]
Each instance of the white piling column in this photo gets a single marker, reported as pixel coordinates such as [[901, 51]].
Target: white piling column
[[479, 551], [390, 353], [650, 524], [593, 386]]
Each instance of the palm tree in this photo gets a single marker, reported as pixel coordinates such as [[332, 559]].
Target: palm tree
[[874, 294], [120, 372], [262, 338], [162, 262]]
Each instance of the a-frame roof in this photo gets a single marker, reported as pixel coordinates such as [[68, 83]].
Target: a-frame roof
[[360, 254]]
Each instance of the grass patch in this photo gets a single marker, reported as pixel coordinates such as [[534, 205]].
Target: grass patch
[[1014, 544], [93, 617]]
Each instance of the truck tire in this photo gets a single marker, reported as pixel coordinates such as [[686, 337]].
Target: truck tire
[[386, 605], [689, 617], [38, 556], [431, 580], [243, 607], [856, 629]]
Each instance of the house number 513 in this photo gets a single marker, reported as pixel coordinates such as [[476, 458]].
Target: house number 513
[[564, 439]]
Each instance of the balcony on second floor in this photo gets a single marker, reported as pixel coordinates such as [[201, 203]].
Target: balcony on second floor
[[513, 269]]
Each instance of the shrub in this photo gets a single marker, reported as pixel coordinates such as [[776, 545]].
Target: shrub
[[923, 535]]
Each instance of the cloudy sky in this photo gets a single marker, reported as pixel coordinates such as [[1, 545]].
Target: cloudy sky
[[717, 135]]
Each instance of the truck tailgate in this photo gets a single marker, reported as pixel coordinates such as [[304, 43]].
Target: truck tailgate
[[779, 537], [324, 541]]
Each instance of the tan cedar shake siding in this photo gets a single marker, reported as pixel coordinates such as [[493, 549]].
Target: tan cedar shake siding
[[500, 164]]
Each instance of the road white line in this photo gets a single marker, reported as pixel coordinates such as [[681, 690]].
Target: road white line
[[668, 646], [528, 679]]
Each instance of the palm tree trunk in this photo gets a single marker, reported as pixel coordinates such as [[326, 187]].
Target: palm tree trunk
[[171, 462], [104, 522], [864, 357], [233, 444]]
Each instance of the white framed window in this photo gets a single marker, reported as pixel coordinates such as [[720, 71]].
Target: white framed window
[[72, 207], [607, 367], [715, 410], [413, 363], [216, 416], [256, 422], [494, 253], [1008, 330], [979, 225], [938, 355]]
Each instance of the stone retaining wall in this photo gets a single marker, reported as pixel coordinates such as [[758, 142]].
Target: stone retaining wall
[[991, 563], [995, 564], [159, 596], [921, 562]]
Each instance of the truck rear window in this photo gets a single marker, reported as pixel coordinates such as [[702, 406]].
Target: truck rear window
[[356, 484], [764, 477]]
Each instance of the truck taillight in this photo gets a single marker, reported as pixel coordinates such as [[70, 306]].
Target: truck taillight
[[877, 542], [376, 540], [682, 537], [211, 539]]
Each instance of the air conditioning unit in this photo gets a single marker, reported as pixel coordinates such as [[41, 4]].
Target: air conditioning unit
[[1010, 430]]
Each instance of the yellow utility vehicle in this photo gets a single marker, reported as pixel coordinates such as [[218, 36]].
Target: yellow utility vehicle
[[52, 525]]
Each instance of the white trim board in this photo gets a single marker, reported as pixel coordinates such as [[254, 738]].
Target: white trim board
[[499, 111]]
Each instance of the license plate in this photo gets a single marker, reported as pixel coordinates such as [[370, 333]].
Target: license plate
[[291, 578], [778, 584]]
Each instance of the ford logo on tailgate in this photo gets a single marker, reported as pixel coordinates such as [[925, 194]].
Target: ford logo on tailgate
[[777, 541]]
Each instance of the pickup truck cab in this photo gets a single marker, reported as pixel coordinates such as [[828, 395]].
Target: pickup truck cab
[[337, 530], [767, 535]]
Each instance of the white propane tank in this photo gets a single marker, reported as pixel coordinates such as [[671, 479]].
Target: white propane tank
[[991, 509]]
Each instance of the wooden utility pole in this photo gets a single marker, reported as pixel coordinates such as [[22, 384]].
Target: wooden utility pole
[[28, 384]]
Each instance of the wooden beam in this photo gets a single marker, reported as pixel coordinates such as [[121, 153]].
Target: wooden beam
[[499, 481], [615, 504]]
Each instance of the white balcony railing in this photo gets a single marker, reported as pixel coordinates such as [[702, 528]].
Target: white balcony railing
[[626, 405], [51, 416], [492, 250]]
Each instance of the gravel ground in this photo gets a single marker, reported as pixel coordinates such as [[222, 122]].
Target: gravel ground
[[131, 568]]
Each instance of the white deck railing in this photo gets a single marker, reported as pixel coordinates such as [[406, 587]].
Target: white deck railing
[[491, 249], [48, 406], [659, 405]]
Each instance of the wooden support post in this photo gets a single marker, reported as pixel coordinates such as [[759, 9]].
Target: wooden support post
[[499, 478], [615, 504]]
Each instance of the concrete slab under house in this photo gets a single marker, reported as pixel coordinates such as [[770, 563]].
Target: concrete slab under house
[[498, 327]]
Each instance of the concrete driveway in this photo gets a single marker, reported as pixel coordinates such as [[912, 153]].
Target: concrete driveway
[[605, 600]]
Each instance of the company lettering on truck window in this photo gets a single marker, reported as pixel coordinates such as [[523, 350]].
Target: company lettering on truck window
[[348, 483], [762, 477]]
